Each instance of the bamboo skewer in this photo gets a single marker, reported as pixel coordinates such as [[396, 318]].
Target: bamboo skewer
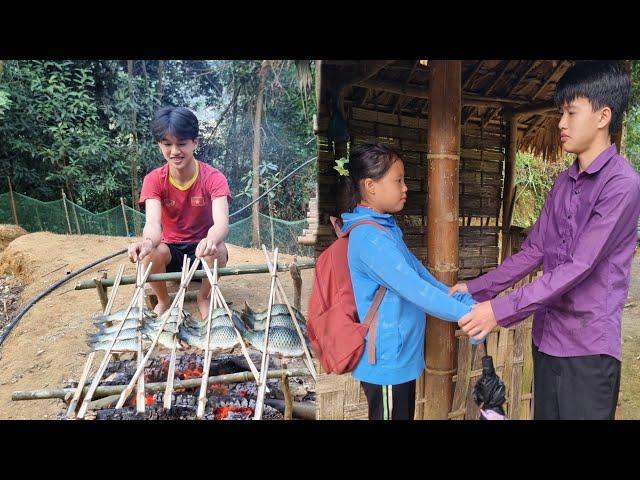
[[140, 398], [213, 303], [265, 355], [107, 355], [283, 295], [71, 411], [180, 295], [172, 362], [243, 345]]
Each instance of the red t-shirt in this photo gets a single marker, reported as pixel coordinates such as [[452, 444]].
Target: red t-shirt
[[186, 214]]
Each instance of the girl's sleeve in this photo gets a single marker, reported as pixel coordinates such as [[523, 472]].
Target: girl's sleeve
[[378, 256]]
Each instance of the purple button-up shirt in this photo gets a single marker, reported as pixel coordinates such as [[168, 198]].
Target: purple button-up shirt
[[585, 238]]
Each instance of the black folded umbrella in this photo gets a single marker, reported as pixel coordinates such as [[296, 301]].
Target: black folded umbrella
[[489, 391]]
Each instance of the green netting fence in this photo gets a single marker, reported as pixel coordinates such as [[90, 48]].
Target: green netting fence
[[36, 216]]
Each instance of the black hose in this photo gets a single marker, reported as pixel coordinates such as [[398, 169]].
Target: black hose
[[45, 292]]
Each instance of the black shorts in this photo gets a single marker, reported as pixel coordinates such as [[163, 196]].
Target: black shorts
[[178, 250]]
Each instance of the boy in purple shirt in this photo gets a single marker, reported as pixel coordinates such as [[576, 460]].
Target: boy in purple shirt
[[585, 239]]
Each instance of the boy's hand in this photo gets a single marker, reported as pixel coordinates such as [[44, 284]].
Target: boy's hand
[[139, 250], [479, 321], [206, 248], [458, 287]]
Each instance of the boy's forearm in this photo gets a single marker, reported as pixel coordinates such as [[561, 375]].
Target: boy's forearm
[[152, 233], [218, 232]]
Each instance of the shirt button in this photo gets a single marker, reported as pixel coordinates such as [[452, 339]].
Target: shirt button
[[577, 191], [569, 216]]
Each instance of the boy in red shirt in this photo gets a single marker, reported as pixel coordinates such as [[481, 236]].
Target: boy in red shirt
[[187, 210]]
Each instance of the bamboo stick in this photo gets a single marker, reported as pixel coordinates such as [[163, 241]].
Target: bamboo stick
[[213, 303], [288, 401], [75, 216], [107, 354], [140, 400], [127, 391], [163, 277], [13, 203], [124, 215], [172, 362], [66, 212], [106, 390], [71, 411], [265, 355]]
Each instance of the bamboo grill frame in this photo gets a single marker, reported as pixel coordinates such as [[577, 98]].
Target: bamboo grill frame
[[183, 287], [107, 356], [265, 352], [71, 411]]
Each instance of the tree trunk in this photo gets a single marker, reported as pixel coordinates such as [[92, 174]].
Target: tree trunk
[[255, 217], [134, 153]]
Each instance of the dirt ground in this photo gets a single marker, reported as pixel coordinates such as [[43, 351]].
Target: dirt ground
[[629, 401], [47, 348]]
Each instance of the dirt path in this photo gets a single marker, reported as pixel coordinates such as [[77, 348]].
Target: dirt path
[[47, 347]]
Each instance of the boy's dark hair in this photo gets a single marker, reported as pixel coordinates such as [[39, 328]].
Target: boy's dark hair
[[368, 160], [603, 83], [177, 121]]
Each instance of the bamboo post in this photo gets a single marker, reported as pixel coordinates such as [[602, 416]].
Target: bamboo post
[[102, 292], [297, 283], [13, 203], [443, 159], [270, 216], [107, 354], [66, 212], [179, 296], [75, 216], [124, 215], [288, 401], [508, 190], [71, 411], [265, 352], [213, 303], [172, 362]]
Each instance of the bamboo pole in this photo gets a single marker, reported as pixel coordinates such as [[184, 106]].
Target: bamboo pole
[[124, 216], [163, 277], [183, 287], [265, 351], [66, 212], [107, 355], [172, 362], [75, 216], [213, 303], [140, 400], [288, 401], [442, 228], [71, 411], [13, 203], [508, 190], [106, 390]]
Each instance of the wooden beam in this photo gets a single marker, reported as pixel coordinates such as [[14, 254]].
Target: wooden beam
[[472, 74], [489, 115], [443, 160], [558, 68], [400, 97]]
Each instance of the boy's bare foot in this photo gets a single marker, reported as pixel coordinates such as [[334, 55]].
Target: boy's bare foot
[[161, 307], [203, 306]]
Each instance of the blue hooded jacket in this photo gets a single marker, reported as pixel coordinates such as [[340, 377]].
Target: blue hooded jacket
[[379, 257]]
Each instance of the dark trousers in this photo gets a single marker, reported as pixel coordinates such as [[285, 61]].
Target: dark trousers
[[575, 388], [391, 402]]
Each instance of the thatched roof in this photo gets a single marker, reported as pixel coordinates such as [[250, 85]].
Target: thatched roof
[[490, 88]]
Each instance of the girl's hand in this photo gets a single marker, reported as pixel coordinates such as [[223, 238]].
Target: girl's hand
[[459, 287]]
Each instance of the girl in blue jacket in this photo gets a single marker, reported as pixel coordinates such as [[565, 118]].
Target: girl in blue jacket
[[378, 257]]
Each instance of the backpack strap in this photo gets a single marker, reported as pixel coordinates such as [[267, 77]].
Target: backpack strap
[[371, 319]]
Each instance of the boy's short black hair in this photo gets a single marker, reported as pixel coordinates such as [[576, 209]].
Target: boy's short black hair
[[603, 83], [177, 121]]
